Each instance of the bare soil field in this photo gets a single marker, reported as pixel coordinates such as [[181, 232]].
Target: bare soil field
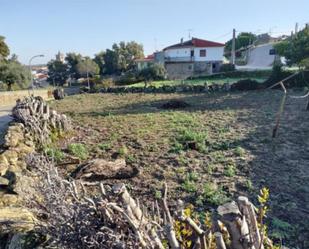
[[208, 147]]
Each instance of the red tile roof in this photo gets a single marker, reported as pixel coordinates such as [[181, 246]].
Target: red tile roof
[[147, 58], [151, 56], [195, 42]]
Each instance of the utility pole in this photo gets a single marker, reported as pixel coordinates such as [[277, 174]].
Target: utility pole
[[88, 75], [296, 28], [155, 45], [233, 48], [189, 33]]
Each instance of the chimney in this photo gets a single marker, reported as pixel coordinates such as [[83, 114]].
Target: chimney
[[181, 41]]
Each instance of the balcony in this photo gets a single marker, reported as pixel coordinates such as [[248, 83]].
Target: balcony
[[180, 59]]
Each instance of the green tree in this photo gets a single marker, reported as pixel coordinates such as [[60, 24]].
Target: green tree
[[127, 53], [120, 58], [4, 49], [13, 72], [88, 67], [296, 49], [72, 60], [111, 62], [13, 57], [244, 39], [99, 59], [57, 72]]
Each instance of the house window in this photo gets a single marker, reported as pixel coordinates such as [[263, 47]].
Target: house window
[[192, 53], [203, 53]]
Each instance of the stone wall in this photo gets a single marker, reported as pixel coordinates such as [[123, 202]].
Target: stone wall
[[33, 124], [179, 70], [183, 70], [202, 67], [171, 89], [15, 180], [9, 98]]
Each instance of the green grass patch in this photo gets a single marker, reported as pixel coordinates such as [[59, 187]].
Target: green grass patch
[[230, 170], [214, 195], [78, 150], [54, 153], [239, 151], [189, 184], [105, 146], [220, 79], [189, 139]]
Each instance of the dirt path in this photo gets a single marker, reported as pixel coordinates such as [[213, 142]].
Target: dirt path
[[4, 119]]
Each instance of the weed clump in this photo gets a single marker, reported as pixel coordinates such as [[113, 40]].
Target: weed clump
[[78, 150], [239, 151], [54, 153], [189, 184], [190, 140], [105, 146], [214, 195], [230, 170]]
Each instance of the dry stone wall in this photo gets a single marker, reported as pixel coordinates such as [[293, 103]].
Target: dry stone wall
[[33, 124], [9, 98]]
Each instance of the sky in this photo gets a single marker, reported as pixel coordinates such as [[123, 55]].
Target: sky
[[34, 27]]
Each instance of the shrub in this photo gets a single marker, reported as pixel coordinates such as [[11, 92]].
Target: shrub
[[237, 74], [278, 74], [153, 72], [227, 67], [130, 77], [78, 150], [108, 82]]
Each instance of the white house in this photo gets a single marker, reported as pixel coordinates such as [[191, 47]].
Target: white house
[[195, 56]]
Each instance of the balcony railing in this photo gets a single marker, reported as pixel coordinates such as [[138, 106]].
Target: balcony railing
[[180, 59]]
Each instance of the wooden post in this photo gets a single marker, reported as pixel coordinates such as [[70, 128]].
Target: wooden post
[[281, 108], [233, 47], [219, 241]]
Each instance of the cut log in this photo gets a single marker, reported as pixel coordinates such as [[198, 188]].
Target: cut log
[[100, 169]]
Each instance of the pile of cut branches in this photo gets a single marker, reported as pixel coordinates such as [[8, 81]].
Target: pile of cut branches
[[72, 218], [38, 119]]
